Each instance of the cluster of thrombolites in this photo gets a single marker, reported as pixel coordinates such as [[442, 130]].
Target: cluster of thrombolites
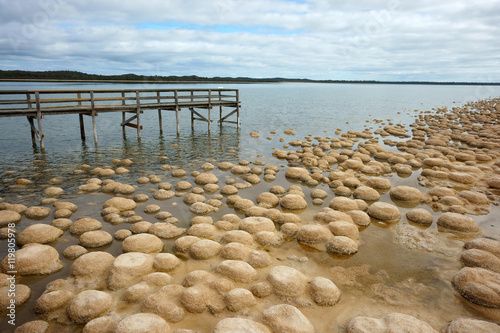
[[221, 263]]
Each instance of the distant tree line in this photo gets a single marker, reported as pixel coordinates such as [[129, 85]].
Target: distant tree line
[[134, 78]]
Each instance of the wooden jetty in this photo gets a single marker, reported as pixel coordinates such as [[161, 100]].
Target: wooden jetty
[[36, 104]]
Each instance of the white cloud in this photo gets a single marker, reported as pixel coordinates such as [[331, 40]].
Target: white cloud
[[369, 39]]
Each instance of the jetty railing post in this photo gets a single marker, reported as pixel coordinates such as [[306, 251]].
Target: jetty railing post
[[177, 111], [123, 114], [159, 112], [220, 108], [94, 126], [80, 116], [30, 120], [138, 100], [209, 107], [238, 108], [192, 113], [39, 120]]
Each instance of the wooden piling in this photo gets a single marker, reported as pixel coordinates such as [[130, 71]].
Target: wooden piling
[[94, 125], [82, 127], [209, 108], [32, 130], [176, 96], [123, 115], [238, 108], [80, 117], [39, 121], [158, 99], [192, 113], [138, 101]]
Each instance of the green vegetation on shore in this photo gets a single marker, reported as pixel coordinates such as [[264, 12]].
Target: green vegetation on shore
[[18, 75]]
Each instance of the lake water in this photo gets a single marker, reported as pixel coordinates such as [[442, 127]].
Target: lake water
[[382, 277], [317, 109]]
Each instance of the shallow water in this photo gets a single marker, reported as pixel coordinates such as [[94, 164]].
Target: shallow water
[[384, 276]]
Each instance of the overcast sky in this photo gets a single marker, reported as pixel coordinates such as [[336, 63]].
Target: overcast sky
[[445, 40]]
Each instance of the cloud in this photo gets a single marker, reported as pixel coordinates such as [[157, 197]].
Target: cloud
[[320, 39]]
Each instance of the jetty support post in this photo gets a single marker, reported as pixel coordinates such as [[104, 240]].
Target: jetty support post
[[192, 113], [238, 108], [158, 98], [94, 114], [30, 120], [176, 96], [209, 107], [80, 117], [138, 100], [123, 115], [220, 107], [32, 129], [39, 117]]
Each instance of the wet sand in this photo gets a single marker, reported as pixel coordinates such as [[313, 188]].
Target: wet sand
[[399, 267]]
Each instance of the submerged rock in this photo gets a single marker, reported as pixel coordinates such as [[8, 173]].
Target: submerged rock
[[486, 244], [91, 270], [324, 292], [87, 305], [142, 323], [97, 238], [341, 245], [468, 325], [384, 211], [37, 213], [236, 270], [394, 322], [39, 233], [479, 286], [239, 299], [34, 259], [9, 216], [128, 268], [420, 216], [145, 243], [240, 325], [406, 193], [287, 281], [457, 222], [84, 224], [287, 318]]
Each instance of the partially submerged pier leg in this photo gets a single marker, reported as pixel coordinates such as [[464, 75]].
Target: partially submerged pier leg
[[208, 120], [238, 108], [158, 99], [160, 121], [94, 114], [177, 120], [33, 130], [138, 114], [123, 122], [94, 127], [39, 117], [192, 119], [82, 127]]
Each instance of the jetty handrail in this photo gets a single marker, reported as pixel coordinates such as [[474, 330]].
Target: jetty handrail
[[36, 104], [21, 102]]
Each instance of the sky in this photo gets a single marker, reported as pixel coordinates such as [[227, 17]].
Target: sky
[[386, 40]]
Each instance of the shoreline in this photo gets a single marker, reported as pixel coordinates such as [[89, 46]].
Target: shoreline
[[258, 81]]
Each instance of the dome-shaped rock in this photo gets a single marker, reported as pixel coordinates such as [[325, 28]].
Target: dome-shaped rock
[[287, 318], [39, 233], [87, 305], [34, 259]]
